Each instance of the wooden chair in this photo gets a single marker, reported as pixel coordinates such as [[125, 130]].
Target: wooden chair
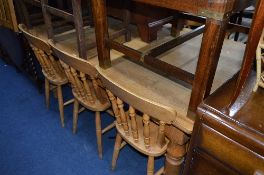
[[81, 17], [87, 90], [139, 126], [29, 12], [51, 68], [8, 15], [260, 60]]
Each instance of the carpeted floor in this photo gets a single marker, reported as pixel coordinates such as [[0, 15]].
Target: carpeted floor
[[32, 142]]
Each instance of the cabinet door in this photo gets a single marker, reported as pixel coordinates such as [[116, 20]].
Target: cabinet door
[[7, 15], [204, 164], [228, 151]]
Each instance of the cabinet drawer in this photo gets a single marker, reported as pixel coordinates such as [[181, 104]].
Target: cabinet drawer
[[229, 152]]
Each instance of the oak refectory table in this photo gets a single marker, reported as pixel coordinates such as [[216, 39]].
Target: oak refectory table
[[217, 14]]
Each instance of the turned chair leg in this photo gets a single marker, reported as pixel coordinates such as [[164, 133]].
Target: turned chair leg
[[55, 95], [117, 148], [61, 105], [47, 93], [150, 168], [98, 133], [75, 116]]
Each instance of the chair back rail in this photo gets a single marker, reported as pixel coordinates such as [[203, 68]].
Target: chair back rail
[[129, 122], [50, 66], [82, 76], [75, 62], [34, 40], [154, 109]]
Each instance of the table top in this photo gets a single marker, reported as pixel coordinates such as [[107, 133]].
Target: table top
[[216, 9], [153, 86], [159, 90]]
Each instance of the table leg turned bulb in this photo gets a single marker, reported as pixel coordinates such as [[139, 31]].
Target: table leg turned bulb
[[176, 151]]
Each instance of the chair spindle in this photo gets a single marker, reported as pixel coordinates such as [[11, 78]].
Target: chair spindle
[[87, 88], [133, 123], [161, 135], [123, 116], [146, 132], [114, 107]]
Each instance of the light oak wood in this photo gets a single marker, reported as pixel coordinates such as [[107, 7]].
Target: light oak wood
[[86, 88], [8, 15], [134, 128], [146, 131], [75, 115], [123, 116], [98, 133], [47, 93], [150, 168], [61, 106], [138, 131], [161, 134], [117, 148], [260, 61], [51, 68]]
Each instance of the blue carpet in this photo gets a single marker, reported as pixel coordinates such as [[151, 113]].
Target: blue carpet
[[33, 142]]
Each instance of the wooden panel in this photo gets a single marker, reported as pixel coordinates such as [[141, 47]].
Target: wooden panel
[[207, 8], [187, 5], [212, 142], [7, 15], [203, 164]]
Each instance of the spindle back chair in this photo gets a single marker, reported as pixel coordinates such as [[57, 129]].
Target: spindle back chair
[[136, 126], [7, 15], [86, 88], [260, 61], [51, 68], [29, 12]]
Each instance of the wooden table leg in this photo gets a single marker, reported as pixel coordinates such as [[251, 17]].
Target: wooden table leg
[[176, 150], [146, 33], [101, 31], [78, 22], [211, 47], [47, 19], [177, 26]]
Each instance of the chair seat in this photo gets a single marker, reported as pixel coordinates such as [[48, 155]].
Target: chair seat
[[96, 106], [154, 150], [56, 80]]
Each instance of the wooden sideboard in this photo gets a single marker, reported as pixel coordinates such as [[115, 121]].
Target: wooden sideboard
[[228, 144]]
